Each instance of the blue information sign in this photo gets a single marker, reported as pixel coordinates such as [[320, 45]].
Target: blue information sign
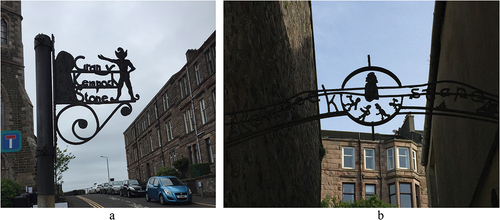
[[11, 141]]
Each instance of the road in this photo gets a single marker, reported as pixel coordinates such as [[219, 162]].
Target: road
[[116, 201]]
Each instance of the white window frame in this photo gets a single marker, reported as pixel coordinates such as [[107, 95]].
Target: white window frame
[[372, 157], [203, 112], [390, 158], [191, 119], [151, 142], [197, 73], [406, 157], [159, 137], [170, 131], [185, 114], [414, 159], [353, 164]]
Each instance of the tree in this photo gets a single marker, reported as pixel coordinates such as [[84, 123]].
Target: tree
[[10, 189], [371, 202], [167, 171], [182, 165], [61, 164]]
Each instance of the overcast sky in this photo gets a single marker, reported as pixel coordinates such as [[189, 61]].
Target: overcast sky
[[156, 34], [396, 35]]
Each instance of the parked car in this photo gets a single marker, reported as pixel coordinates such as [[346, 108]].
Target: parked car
[[114, 187], [98, 188], [168, 189], [92, 189], [132, 188], [104, 189]]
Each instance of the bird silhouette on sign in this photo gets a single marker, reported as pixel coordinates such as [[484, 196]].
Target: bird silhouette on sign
[[371, 89]]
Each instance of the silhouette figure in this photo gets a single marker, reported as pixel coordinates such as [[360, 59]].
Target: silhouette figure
[[365, 112], [371, 89], [395, 104], [353, 103], [123, 65], [381, 111]]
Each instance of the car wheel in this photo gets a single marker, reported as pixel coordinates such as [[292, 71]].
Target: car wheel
[[162, 200], [147, 198]]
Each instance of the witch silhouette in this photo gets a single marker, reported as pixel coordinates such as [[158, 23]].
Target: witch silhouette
[[371, 89]]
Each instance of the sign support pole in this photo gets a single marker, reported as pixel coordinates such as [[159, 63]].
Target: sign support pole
[[45, 149]]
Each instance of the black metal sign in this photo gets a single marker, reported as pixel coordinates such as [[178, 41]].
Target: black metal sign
[[379, 100], [75, 90]]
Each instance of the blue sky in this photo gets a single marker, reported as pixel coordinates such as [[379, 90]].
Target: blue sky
[[396, 35]]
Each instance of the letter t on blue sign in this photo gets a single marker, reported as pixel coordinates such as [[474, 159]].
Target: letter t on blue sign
[[11, 141]]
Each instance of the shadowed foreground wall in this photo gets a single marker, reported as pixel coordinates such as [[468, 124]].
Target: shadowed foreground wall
[[269, 57]]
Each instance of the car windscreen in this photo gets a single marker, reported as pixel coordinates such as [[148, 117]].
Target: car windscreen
[[134, 182], [171, 182], [117, 183]]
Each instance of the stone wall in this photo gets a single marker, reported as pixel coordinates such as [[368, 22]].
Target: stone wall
[[17, 108], [269, 57]]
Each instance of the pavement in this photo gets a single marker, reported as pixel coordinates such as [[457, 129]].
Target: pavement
[[206, 201]]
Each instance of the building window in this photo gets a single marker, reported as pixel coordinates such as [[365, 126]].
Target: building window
[[186, 88], [213, 96], [191, 159], [369, 159], [203, 112], [170, 135], [210, 64], [417, 195], [390, 159], [156, 112], [159, 137], [403, 158], [197, 154], [405, 195], [414, 158], [197, 73], [209, 151], [173, 158], [191, 120], [348, 157], [151, 142], [347, 192], [369, 190], [165, 102], [186, 121], [392, 195], [4, 31], [183, 86], [154, 167]]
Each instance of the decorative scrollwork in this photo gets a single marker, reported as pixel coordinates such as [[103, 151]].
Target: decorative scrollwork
[[126, 109], [371, 105]]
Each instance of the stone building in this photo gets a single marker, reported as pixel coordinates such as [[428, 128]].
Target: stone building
[[179, 121], [16, 106], [269, 57], [461, 153], [356, 167]]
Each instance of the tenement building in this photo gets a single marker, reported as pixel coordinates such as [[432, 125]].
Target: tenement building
[[356, 166], [16, 106], [179, 121]]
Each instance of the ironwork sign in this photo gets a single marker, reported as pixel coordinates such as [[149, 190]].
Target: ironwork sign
[[379, 100], [72, 88]]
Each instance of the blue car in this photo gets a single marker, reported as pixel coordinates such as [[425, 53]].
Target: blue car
[[168, 189]]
